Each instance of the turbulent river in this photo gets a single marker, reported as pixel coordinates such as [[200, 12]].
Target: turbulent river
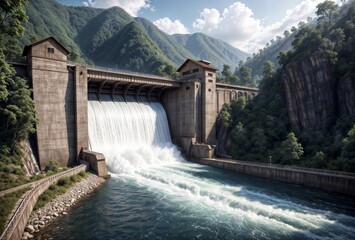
[[155, 194]]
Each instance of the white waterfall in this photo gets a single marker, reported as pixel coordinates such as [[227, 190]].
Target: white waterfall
[[132, 135]]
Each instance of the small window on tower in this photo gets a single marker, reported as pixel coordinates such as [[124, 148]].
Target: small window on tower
[[210, 75], [210, 80], [209, 90], [51, 50]]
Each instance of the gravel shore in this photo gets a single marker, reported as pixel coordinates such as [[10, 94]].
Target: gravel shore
[[60, 206]]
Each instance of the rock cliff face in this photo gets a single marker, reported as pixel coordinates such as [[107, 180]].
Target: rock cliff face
[[346, 95], [29, 162], [314, 96]]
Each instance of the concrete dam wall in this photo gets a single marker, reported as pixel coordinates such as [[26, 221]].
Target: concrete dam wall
[[60, 92], [192, 103]]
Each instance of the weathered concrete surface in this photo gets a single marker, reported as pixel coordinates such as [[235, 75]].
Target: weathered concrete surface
[[323, 180], [81, 109], [17, 222], [60, 92], [201, 151], [191, 109], [181, 107], [226, 93], [53, 93], [97, 162]]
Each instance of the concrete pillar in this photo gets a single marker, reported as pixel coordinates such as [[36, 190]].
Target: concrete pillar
[[209, 101], [81, 109], [53, 93]]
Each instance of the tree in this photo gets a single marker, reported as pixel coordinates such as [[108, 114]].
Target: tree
[[348, 150], [283, 58], [268, 69], [338, 36], [73, 56], [278, 38], [258, 143], [225, 116], [301, 24], [290, 149], [240, 140], [245, 75], [226, 71], [287, 33], [319, 160], [12, 15], [326, 11], [167, 70], [241, 63], [237, 106], [17, 114], [234, 80], [293, 29]]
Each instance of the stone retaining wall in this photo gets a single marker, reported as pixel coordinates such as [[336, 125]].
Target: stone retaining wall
[[18, 221], [331, 181]]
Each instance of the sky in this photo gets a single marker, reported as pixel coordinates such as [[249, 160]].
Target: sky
[[245, 24]]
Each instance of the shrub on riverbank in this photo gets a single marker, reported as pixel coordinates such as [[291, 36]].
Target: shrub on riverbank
[[56, 189], [12, 175], [7, 203]]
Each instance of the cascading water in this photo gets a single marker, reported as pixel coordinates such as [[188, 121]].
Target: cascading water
[[132, 136], [155, 194]]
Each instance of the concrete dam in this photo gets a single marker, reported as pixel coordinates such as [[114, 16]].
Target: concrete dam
[[61, 91]]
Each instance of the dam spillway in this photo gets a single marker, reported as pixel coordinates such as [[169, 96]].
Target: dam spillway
[[132, 135], [155, 194]]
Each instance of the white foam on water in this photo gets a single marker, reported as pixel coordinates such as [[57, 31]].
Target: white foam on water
[[135, 139]]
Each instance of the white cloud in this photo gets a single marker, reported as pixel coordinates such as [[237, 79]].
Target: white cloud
[[131, 6], [171, 27], [238, 26]]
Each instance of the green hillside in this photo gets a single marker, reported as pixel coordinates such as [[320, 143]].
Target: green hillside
[[141, 54], [211, 49], [92, 36], [101, 28], [269, 54], [169, 46]]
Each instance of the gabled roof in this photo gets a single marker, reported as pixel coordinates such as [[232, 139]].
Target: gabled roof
[[28, 47], [201, 63]]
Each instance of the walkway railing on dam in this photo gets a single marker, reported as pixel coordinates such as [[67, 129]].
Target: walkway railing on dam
[[20, 216], [118, 70]]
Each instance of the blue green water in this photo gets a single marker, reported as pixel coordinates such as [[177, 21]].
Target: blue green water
[[188, 201], [155, 194]]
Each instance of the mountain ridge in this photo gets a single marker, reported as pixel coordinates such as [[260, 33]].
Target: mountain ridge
[[85, 30]]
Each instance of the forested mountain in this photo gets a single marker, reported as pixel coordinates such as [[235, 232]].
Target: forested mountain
[[270, 53], [94, 36], [101, 28], [211, 49], [171, 48], [304, 113], [139, 51]]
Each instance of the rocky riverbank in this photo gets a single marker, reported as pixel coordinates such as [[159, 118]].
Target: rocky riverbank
[[61, 205]]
